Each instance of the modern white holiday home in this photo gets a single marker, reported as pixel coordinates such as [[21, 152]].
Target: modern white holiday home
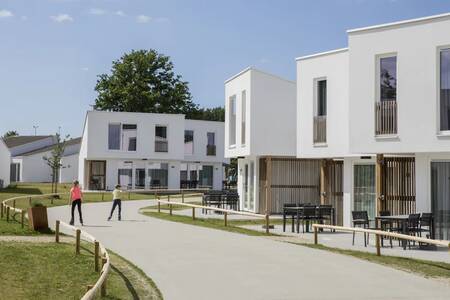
[[150, 151], [5, 164], [381, 109], [260, 131]]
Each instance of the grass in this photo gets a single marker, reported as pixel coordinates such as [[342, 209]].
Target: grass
[[14, 228], [53, 271], [429, 269]]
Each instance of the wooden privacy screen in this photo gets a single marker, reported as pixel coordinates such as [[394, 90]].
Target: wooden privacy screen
[[334, 188], [398, 185], [292, 181]]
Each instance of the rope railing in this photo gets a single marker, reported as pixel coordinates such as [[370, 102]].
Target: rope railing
[[378, 234]]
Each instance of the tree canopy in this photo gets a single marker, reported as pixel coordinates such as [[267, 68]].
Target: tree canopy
[[144, 81]]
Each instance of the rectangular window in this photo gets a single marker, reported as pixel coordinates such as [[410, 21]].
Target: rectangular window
[[114, 137], [161, 143], [139, 182], [211, 146], [321, 98], [243, 111], [129, 137], [388, 78], [158, 174], [125, 178], [206, 176], [188, 142], [232, 121], [444, 89]]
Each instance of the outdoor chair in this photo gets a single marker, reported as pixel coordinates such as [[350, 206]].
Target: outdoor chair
[[361, 219], [287, 214], [325, 214], [426, 224], [231, 200], [386, 225], [413, 227], [309, 214]]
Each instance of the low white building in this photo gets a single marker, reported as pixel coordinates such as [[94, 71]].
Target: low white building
[[5, 164], [260, 131], [147, 150]]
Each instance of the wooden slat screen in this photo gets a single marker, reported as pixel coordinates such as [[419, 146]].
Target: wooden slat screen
[[399, 189], [320, 129], [293, 181], [335, 189]]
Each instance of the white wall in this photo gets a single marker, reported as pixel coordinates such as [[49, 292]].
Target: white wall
[[69, 172], [5, 163], [201, 128], [35, 169], [416, 46], [333, 67], [270, 114]]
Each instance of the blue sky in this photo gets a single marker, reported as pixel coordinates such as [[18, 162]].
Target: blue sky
[[51, 51]]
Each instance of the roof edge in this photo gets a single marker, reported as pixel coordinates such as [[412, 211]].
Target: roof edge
[[335, 51], [260, 71]]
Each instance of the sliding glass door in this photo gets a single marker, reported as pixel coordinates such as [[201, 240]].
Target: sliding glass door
[[248, 188], [440, 199], [364, 194]]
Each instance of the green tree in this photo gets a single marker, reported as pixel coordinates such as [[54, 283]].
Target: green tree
[[143, 81], [210, 114], [10, 133], [54, 160]]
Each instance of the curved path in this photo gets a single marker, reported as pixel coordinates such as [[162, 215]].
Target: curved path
[[190, 262]]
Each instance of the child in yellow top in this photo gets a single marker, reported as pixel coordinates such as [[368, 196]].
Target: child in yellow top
[[116, 201]]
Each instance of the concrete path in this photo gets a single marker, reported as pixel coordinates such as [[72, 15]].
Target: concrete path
[[190, 262]]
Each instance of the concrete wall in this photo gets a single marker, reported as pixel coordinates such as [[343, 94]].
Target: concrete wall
[[5, 163], [333, 67], [417, 48]]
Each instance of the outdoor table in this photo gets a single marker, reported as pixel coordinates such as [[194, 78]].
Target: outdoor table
[[299, 209], [402, 220]]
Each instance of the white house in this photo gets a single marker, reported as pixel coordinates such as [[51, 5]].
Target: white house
[[260, 130], [381, 109], [28, 165], [5, 164], [147, 150]]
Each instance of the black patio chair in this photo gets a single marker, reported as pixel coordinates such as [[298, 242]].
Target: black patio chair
[[386, 225], [413, 227], [361, 219], [325, 214], [231, 200], [426, 224], [310, 214], [289, 213]]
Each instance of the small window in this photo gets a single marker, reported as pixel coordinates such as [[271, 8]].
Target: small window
[[232, 121], [114, 137], [388, 78], [211, 146], [243, 113], [444, 89], [321, 98], [189, 142], [161, 143], [129, 137]]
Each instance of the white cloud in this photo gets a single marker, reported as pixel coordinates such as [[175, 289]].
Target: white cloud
[[143, 19], [120, 13], [97, 11], [5, 13], [61, 18]]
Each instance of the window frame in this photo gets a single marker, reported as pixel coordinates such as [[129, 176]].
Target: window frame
[[166, 138], [232, 100], [439, 131], [378, 58]]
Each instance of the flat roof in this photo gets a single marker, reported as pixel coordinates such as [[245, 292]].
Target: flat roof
[[322, 54], [257, 70], [400, 23]]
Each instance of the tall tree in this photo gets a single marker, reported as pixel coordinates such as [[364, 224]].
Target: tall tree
[[143, 81], [54, 160], [10, 133], [209, 114]]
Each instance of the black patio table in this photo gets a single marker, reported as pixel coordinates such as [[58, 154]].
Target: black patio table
[[298, 210], [402, 220]]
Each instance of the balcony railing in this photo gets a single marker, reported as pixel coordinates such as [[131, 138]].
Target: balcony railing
[[386, 117], [211, 150], [320, 129], [161, 146]]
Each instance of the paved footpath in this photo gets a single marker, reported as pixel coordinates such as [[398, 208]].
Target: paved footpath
[[190, 262]]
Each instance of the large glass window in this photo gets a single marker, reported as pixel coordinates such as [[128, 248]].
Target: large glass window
[[232, 121], [444, 90], [125, 178], [364, 189], [440, 199], [161, 144], [206, 176], [388, 78], [139, 182], [243, 113], [114, 137], [211, 146], [189, 142], [321, 98], [158, 174]]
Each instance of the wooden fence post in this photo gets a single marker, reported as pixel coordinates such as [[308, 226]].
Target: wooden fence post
[[159, 206], [1, 210], [377, 244], [225, 219], [14, 204], [22, 217], [182, 196], [96, 250], [170, 205], [315, 235], [7, 214], [77, 242], [29, 201], [103, 287], [103, 196], [193, 213], [89, 287], [57, 231], [267, 223]]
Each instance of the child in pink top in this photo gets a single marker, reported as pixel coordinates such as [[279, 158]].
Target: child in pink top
[[76, 196]]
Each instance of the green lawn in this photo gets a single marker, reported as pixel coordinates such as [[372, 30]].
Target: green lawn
[[14, 228], [53, 271]]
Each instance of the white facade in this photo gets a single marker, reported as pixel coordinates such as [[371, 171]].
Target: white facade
[[146, 150], [5, 163]]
